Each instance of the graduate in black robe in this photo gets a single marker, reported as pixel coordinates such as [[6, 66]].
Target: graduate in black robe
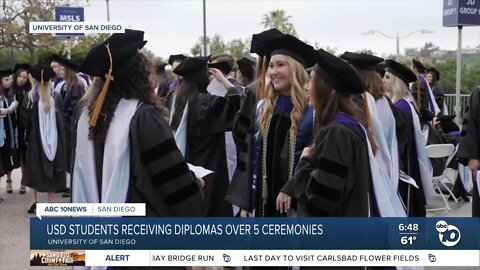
[[243, 128], [131, 118], [207, 119], [469, 148], [71, 91], [420, 89], [333, 176], [396, 80], [45, 160], [246, 71], [433, 76], [161, 83], [7, 127], [21, 85], [283, 127]]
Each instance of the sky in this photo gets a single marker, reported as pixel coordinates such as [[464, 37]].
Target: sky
[[174, 26]]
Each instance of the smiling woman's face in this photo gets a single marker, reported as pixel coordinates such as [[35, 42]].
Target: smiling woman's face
[[279, 73]]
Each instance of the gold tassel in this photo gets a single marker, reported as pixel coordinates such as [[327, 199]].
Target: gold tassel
[[101, 98]]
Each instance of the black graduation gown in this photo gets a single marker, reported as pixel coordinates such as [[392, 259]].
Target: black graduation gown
[[20, 114], [335, 181], [160, 178], [208, 120], [75, 93], [439, 96], [243, 135], [469, 147], [408, 161], [7, 151], [40, 173], [424, 93], [163, 91], [277, 164]]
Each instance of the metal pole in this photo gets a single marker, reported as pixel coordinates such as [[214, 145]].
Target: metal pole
[[398, 47], [459, 76], [108, 11], [204, 28], [69, 48]]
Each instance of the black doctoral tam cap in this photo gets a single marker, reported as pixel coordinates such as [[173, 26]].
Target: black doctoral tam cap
[[42, 72], [420, 67], [380, 69], [434, 71], [122, 46], [5, 73], [363, 61], [401, 71], [65, 62], [246, 67], [293, 47], [258, 40], [191, 66], [176, 57], [222, 66], [338, 74], [21, 66], [160, 68]]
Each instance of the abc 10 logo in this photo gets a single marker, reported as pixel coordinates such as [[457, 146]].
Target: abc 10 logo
[[449, 235]]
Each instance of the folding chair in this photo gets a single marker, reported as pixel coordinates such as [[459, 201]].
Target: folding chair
[[441, 151], [450, 174]]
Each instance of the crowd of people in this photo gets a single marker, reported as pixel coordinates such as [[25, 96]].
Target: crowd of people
[[296, 132]]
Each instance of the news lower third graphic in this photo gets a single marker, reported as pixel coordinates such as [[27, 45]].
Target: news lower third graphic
[[121, 235]]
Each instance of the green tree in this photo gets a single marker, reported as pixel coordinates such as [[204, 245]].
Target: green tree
[[280, 20], [82, 45], [236, 47], [14, 24], [428, 49]]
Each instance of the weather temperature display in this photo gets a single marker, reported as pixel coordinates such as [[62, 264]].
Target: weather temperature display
[[407, 235]]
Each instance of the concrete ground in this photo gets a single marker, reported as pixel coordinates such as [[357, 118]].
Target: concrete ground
[[15, 228]]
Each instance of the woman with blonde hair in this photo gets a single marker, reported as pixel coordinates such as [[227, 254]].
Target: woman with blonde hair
[[411, 144], [283, 127], [243, 127], [45, 154]]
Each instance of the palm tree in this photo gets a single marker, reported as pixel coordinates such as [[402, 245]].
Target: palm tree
[[280, 20]]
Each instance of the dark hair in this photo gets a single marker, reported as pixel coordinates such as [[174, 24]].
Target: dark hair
[[373, 83], [188, 91], [434, 77], [131, 81], [27, 86], [327, 103]]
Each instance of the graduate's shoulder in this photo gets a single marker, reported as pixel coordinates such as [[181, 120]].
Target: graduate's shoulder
[[148, 114], [341, 132]]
